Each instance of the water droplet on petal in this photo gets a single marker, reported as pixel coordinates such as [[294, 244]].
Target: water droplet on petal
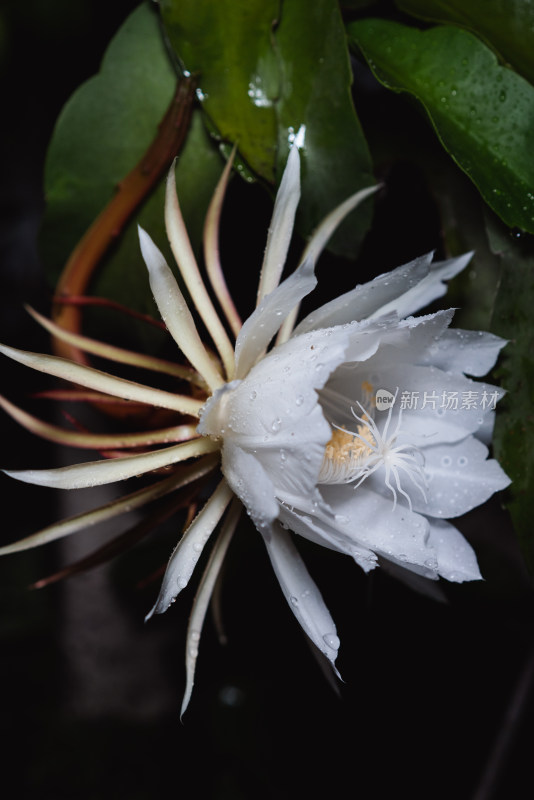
[[332, 640]]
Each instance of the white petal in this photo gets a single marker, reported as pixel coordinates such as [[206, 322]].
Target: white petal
[[326, 228], [250, 482], [460, 477], [274, 416], [266, 319], [301, 593], [472, 352], [281, 227], [320, 533], [203, 596], [96, 473], [370, 520], [427, 290], [456, 558], [365, 299], [431, 421], [189, 549], [262, 325], [175, 312]]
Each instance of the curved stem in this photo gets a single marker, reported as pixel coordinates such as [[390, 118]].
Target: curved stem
[[109, 224]]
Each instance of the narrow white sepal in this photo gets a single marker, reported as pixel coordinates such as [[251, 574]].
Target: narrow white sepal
[[175, 312], [189, 549], [101, 381], [97, 473], [113, 509], [281, 227], [187, 264], [203, 596], [301, 592]]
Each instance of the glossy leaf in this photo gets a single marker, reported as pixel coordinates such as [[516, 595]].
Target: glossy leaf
[[315, 93], [101, 134], [514, 430], [482, 112], [229, 45], [507, 25], [264, 70]]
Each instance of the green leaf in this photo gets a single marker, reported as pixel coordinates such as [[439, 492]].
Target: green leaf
[[264, 70], [514, 430], [506, 25], [482, 112], [102, 133], [229, 45], [315, 92]]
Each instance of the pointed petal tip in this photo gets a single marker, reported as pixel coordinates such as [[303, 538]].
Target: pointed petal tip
[[300, 136], [153, 610]]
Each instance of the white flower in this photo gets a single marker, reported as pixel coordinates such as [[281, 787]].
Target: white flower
[[303, 444]]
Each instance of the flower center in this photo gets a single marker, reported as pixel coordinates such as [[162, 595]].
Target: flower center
[[352, 456], [345, 455]]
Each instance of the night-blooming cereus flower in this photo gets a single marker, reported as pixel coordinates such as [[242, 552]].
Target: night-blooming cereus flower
[[304, 443]]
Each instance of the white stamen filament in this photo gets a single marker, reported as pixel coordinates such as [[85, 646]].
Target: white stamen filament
[[353, 459]]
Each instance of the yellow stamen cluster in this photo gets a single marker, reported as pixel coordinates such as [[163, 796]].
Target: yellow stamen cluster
[[345, 454]]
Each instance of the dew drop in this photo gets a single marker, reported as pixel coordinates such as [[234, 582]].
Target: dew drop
[[294, 600], [446, 461], [276, 424], [253, 395], [332, 640], [299, 400]]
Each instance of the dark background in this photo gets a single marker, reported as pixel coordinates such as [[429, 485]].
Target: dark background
[[437, 698]]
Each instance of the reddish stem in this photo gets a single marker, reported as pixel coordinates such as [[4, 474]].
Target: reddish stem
[[109, 224]]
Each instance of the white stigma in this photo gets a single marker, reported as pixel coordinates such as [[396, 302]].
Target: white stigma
[[352, 456]]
